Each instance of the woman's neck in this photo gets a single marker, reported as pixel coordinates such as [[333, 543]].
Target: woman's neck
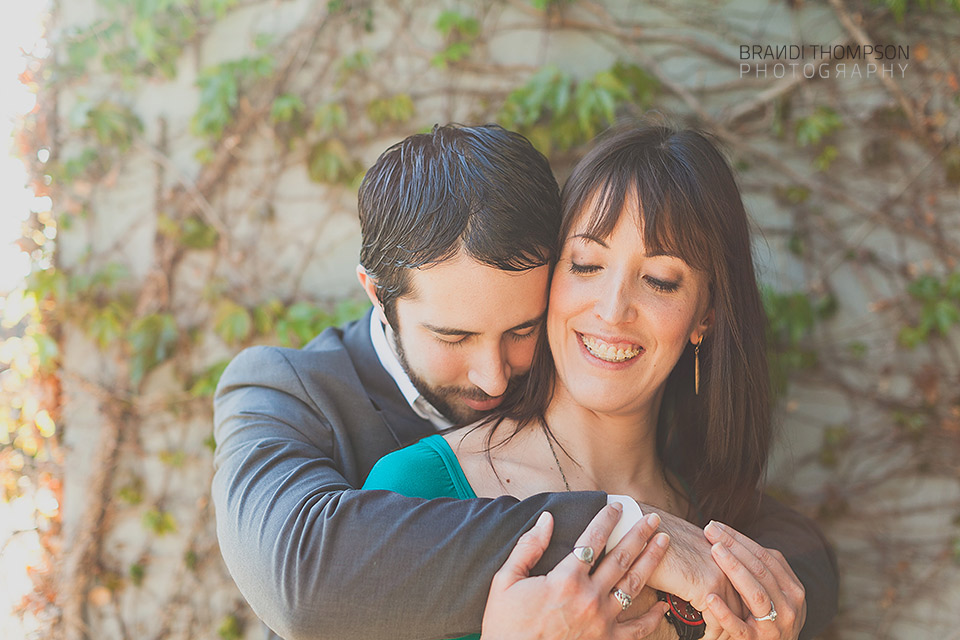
[[613, 453]]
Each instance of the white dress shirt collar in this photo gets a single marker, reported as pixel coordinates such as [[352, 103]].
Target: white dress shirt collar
[[387, 354]]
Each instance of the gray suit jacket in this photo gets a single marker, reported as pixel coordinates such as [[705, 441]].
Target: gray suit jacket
[[298, 430]]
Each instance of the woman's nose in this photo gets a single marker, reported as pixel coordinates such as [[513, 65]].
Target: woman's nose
[[615, 301]]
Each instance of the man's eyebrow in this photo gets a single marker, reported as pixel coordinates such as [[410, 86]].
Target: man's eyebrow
[[529, 323], [448, 331]]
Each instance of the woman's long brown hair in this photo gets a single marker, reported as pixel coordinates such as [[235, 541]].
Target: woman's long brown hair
[[690, 206]]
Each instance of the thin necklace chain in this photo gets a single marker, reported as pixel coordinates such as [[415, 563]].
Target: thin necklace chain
[[556, 459], [671, 506]]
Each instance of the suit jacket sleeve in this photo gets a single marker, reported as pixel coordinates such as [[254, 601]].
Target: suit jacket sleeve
[[316, 558], [809, 555]]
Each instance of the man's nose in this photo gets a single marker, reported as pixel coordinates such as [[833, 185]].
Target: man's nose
[[490, 371]]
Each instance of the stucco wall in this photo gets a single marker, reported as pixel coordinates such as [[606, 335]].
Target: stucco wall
[[287, 237]]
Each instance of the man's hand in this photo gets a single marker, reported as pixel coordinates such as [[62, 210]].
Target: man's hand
[[766, 584], [689, 570], [569, 602]]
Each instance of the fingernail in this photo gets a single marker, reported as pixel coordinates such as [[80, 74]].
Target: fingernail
[[720, 550], [712, 528], [617, 507], [653, 520], [712, 600], [661, 540], [542, 520]]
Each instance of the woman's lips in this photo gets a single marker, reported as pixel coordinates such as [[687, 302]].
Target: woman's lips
[[613, 352]]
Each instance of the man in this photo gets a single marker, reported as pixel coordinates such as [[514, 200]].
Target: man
[[459, 232]]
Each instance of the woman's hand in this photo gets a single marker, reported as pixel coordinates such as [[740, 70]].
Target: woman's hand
[[765, 583], [570, 601]]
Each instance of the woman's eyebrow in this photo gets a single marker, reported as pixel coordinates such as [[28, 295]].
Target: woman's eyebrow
[[602, 243], [592, 238]]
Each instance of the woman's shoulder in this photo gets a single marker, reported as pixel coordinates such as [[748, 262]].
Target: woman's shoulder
[[426, 469]]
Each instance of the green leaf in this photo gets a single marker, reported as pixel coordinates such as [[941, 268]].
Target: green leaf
[[329, 117], [926, 288], [132, 492], [643, 87], [107, 324], [815, 127], [454, 24], [910, 337], [230, 628], [352, 64], [210, 442], [286, 107], [81, 50], [232, 322], [175, 459], [204, 385], [945, 315], [395, 109], [348, 310], [137, 574], [218, 8], [265, 316], [46, 348], [454, 53], [330, 162], [301, 323], [112, 124], [159, 522], [152, 340], [47, 284], [826, 158], [197, 234], [220, 92]]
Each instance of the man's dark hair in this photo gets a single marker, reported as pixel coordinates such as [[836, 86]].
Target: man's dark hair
[[482, 190]]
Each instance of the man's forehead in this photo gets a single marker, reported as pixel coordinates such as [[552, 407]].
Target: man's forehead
[[462, 294]]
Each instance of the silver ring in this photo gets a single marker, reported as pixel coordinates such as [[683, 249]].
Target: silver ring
[[623, 598], [770, 616], [584, 554]]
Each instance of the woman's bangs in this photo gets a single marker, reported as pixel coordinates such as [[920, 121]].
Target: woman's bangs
[[671, 223]]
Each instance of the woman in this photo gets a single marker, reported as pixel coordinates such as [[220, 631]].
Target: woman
[[651, 377]]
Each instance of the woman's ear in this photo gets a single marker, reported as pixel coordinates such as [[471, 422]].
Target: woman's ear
[[704, 326], [370, 287]]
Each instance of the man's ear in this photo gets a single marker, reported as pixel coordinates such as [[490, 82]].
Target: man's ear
[[708, 319], [370, 287]]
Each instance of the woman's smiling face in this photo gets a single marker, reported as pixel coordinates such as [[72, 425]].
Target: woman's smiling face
[[619, 318]]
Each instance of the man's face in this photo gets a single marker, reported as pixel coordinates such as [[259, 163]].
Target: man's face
[[466, 330]]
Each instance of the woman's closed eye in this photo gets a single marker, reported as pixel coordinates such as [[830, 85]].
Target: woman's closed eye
[[665, 286], [583, 269]]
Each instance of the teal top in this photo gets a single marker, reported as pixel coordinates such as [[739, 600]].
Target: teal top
[[427, 469], [430, 469]]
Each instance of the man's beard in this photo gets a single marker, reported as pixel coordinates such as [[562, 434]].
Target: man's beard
[[442, 398]]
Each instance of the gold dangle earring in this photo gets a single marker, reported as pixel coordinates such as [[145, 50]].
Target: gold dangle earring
[[696, 366]]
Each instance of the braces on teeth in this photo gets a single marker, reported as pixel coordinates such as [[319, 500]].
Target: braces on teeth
[[609, 352]]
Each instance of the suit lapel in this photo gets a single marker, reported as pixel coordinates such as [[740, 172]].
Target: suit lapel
[[405, 425]]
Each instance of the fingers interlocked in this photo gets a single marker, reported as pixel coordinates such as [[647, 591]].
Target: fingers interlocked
[[769, 588]]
